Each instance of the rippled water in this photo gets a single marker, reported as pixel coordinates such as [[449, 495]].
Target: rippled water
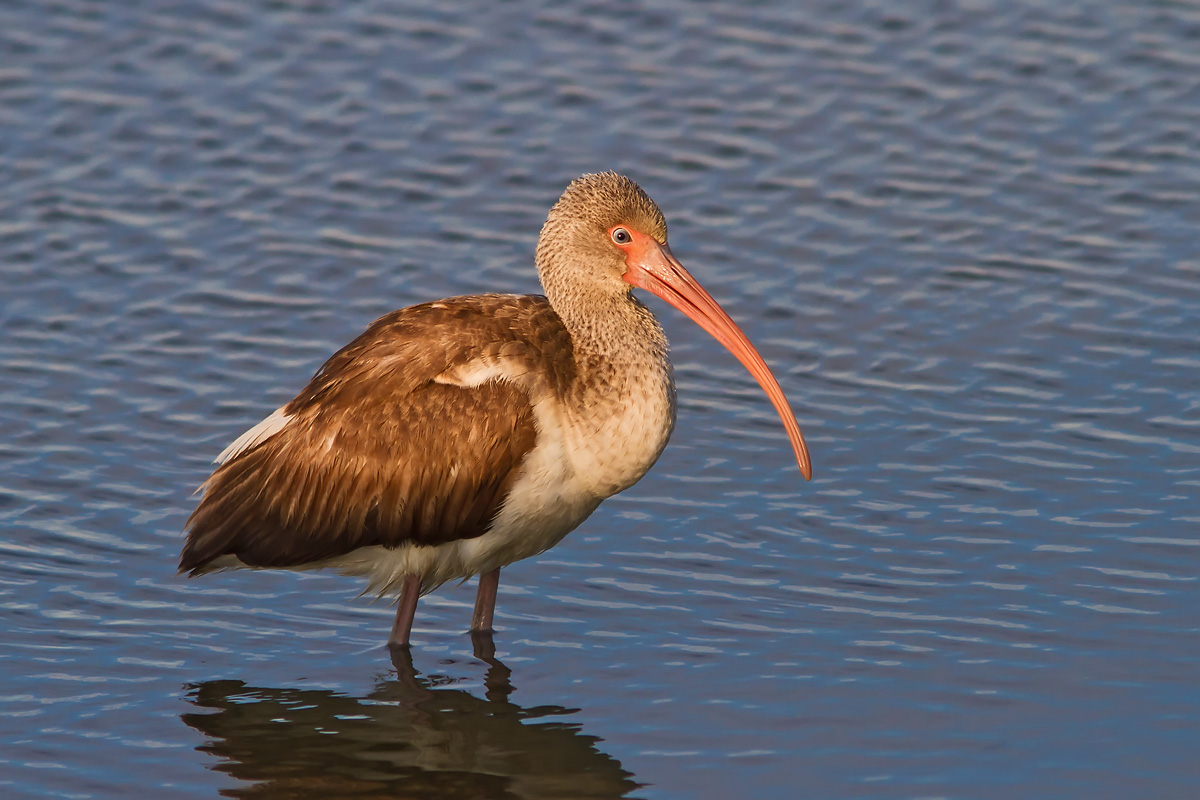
[[964, 234]]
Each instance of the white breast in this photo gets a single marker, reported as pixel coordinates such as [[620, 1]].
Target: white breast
[[547, 501]]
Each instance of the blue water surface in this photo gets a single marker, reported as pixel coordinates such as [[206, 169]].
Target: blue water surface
[[964, 235]]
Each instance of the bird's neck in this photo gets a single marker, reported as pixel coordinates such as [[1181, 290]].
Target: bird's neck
[[622, 401], [611, 331]]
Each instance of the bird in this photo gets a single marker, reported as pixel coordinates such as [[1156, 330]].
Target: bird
[[455, 437]]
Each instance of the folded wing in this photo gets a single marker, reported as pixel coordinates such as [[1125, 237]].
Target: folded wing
[[411, 434]]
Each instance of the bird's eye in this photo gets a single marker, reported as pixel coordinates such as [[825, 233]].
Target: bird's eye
[[621, 236]]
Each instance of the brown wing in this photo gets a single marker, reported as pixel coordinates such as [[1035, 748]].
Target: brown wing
[[382, 448]]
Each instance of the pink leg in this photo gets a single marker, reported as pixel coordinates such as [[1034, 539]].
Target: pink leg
[[405, 610], [485, 601]]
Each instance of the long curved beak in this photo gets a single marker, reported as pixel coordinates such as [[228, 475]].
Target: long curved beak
[[652, 267]]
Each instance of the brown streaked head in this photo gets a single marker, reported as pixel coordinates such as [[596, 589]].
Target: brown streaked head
[[575, 244]]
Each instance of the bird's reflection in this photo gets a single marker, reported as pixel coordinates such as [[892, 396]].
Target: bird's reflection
[[413, 736]]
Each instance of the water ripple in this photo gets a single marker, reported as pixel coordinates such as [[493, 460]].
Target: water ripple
[[963, 238]]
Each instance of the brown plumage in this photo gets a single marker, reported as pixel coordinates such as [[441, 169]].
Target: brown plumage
[[454, 437], [387, 399]]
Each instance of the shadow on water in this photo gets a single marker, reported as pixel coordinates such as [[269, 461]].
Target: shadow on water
[[413, 736]]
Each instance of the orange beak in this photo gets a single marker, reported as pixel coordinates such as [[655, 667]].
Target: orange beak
[[651, 266]]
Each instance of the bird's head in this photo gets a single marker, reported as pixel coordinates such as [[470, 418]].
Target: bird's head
[[591, 232], [605, 236]]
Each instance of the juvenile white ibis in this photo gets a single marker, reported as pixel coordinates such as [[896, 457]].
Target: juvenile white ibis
[[455, 437]]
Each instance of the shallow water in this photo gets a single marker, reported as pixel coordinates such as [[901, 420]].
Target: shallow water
[[963, 235]]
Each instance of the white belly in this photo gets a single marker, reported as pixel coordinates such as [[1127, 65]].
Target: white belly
[[580, 459], [585, 453], [547, 501]]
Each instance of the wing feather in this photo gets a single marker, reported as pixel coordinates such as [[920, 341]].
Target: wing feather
[[377, 451]]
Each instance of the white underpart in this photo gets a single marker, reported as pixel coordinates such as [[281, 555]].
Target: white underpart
[[578, 462], [545, 503], [259, 433]]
